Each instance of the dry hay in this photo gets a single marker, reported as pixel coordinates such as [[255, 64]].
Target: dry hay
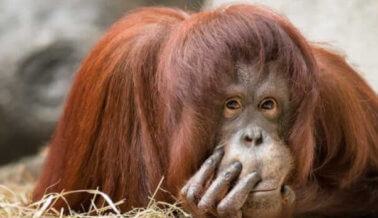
[[17, 181]]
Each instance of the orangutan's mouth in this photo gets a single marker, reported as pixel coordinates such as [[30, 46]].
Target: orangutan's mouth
[[264, 190], [283, 189]]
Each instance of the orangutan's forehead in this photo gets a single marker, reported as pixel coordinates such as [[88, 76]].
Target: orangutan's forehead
[[250, 73], [262, 79]]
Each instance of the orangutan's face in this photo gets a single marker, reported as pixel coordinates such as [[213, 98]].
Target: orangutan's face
[[252, 162], [252, 134]]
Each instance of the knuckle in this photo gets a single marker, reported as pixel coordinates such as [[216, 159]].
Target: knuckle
[[203, 205], [193, 193], [222, 209], [209, 162], [226, 208], [183, 191], [191, 197], [227, 175]]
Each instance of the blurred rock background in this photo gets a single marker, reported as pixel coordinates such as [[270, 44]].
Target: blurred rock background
[[43, 42]]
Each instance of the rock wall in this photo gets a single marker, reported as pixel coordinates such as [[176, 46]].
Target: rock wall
[[42, 44]]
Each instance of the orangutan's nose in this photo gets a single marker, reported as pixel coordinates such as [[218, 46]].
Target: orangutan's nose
[[252, 136]]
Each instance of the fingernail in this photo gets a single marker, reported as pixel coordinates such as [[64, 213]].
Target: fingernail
[[256, 175], [238, 165], [220, 150]]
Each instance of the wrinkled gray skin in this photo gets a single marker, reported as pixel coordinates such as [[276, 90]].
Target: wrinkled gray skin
[[246, 174]]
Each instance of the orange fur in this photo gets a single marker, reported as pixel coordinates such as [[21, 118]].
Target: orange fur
[[144, 106]]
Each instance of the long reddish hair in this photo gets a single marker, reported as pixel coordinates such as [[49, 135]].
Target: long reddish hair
[[144, 103]]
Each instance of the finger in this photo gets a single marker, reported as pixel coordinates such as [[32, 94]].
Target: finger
[[189, 205], [236, 198], [205, 173], [219, 187], [184, 189], [208, 167]]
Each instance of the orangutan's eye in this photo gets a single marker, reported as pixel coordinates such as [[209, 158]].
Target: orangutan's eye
[[233, 106], [269, 106]]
